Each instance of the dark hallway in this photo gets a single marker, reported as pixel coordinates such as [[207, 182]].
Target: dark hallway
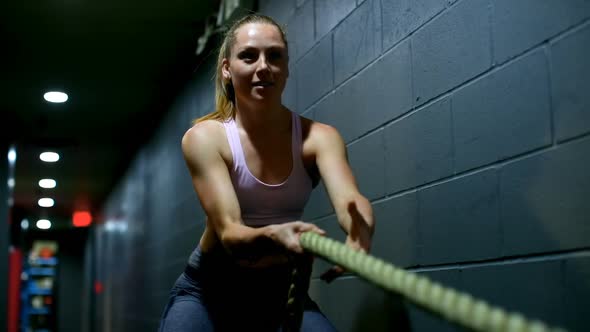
[[466, 125]]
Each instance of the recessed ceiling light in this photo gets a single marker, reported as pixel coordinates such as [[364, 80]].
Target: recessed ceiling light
[[43, 224], [47, 183], [55, 97], [11, 183], [12, 155], [24, 224], [49, 157], [46, 202]]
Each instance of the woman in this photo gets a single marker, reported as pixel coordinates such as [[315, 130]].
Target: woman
[[253, 164]]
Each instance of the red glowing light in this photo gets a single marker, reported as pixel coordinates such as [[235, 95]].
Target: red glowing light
[[98, 287], [82, 219]]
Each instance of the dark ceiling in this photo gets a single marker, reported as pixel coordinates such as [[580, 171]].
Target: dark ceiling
[[120, 62]]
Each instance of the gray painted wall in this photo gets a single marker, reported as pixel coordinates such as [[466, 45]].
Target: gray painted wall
[[467, 124]]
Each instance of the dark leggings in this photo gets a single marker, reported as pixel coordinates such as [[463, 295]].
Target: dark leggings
[[213, 294]]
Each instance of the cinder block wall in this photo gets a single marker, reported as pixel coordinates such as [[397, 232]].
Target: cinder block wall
[[467, 124]]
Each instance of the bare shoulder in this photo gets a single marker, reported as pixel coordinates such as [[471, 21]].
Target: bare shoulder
[[320, 134], [203, 139], [202, 133]]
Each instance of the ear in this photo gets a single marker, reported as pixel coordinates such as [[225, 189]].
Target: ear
[[225, 70]]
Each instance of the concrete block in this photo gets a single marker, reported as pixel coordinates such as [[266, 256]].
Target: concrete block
[[544, 199], [280, 11], [330, 110], [422, 321], [515, 29], [570, 78], [503, 114], [319, 204], [451, 49], [533, 289], [396, 225], [357, 41], [459, 220], [300, 32], [328, 13], [367, 161], [314, 74], [419, 148], [289, 97], [400, 18], [577, 293], [354, 305], [379, 93]]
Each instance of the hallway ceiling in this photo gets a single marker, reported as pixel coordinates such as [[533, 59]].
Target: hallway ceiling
[[120, 62]]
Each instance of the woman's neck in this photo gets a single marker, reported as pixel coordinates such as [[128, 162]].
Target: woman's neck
[[273, 119]]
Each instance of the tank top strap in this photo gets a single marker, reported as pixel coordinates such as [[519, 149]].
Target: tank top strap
[[297, 140], [233, 138]]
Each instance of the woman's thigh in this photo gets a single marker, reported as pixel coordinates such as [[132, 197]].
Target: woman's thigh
[[186, 314], [315, 321]]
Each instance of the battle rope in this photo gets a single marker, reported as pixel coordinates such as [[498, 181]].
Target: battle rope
[[300, 275], [455, 306]]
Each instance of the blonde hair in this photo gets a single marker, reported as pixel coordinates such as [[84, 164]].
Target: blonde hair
[[225, 98]]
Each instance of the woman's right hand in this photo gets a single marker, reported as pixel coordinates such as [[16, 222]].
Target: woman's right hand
[[287, 234]]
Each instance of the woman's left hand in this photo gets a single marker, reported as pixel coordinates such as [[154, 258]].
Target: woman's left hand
[[359, 238]]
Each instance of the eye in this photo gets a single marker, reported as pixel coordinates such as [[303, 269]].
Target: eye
[[275, 55], [247, 56]]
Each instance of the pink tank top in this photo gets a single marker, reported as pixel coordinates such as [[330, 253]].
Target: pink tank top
[[261, 203]]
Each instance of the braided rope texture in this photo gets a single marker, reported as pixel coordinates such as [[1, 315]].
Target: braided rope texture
[[458, 307]]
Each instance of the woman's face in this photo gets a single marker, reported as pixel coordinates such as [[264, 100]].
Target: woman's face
[[258, 64]]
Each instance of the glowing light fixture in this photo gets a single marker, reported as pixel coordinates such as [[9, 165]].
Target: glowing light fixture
[[49, 157], [46, 202], [82, 219], [115, 226], [110, 226], [43, 224], [55, 97], [24, 224], [12, 155], [11, 183], [47, 183], [98, 288]]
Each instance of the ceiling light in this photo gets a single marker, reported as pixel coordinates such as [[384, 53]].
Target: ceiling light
[[12, 155], [43, 224], [24, 224], [49, 157], [46, 202], [47, 183], [55, 97], [11, 183]]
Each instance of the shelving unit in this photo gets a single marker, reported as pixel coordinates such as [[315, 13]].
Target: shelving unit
[[38, 294]]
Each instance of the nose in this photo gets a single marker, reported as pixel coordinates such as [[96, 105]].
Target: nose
[[263, 64]]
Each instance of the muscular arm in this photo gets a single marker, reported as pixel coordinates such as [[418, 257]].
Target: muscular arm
[[213, 185], [254, 247], [353, 210]]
